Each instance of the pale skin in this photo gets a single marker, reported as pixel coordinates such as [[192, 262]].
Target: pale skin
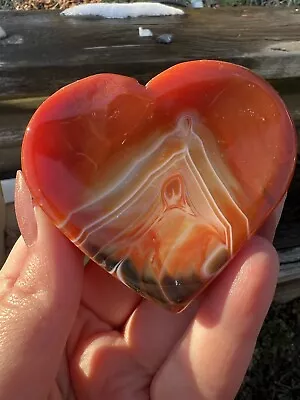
[[68, 332]]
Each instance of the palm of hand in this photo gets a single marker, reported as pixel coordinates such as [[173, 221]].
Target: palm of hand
[[120, 346], [83, 335], [73, 333]]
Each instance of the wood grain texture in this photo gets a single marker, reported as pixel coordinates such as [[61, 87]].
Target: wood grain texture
[[287, 241], [56, 50], [288, 233], [289, 278], [14, 119], [53, 51], [11, 232], [3, 252]]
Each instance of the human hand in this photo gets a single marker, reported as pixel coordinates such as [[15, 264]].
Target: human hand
[[68, 332]]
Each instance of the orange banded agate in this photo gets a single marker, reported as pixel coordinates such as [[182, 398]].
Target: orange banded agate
[[161, 185]]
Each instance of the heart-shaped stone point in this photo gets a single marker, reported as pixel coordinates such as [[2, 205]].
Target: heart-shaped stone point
[[161, 184]]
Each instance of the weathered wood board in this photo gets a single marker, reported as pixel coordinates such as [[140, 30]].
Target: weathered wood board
[[3, 250], [9, 231], [287, 243], [288, 249], [53, 50], [45, 51]]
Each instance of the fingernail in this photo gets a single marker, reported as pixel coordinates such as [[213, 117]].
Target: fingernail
[[25, 211]]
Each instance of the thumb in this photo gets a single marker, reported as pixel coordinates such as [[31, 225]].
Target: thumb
[[40, 289]]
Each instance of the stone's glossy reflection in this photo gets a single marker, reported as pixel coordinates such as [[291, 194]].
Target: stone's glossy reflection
[[161, 185]]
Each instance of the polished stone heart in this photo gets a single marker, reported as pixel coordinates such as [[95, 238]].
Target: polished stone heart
[[161, 185]]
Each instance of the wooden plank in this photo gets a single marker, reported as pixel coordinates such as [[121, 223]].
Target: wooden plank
[[42, 62], [265, 40], [288, 286], [2, 228], [288, 233], [12, 127], [56, 50], [10, 230], [16, 113], [289, 277]]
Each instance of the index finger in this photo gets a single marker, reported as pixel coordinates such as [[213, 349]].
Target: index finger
[[40, 294]]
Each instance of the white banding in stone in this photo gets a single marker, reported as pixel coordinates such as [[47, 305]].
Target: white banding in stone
[[130, 171], [134, 195], [206, 206]]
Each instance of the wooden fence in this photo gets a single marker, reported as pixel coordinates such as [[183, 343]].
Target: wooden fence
[[44, 51]]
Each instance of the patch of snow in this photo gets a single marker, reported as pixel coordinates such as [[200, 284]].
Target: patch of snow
[[8, 189], [144, 32], [15, 39], [122, 10], [197, 4], [2, 33]]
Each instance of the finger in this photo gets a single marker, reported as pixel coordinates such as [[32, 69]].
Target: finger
[[40, 292], [268, 229], [211, 360], [151, 332], [108, 298], [144, 328]]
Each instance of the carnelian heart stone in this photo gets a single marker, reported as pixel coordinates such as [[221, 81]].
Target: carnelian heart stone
[[161, 185]]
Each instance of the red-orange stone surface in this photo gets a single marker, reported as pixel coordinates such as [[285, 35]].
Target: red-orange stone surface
[[161, 185]]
